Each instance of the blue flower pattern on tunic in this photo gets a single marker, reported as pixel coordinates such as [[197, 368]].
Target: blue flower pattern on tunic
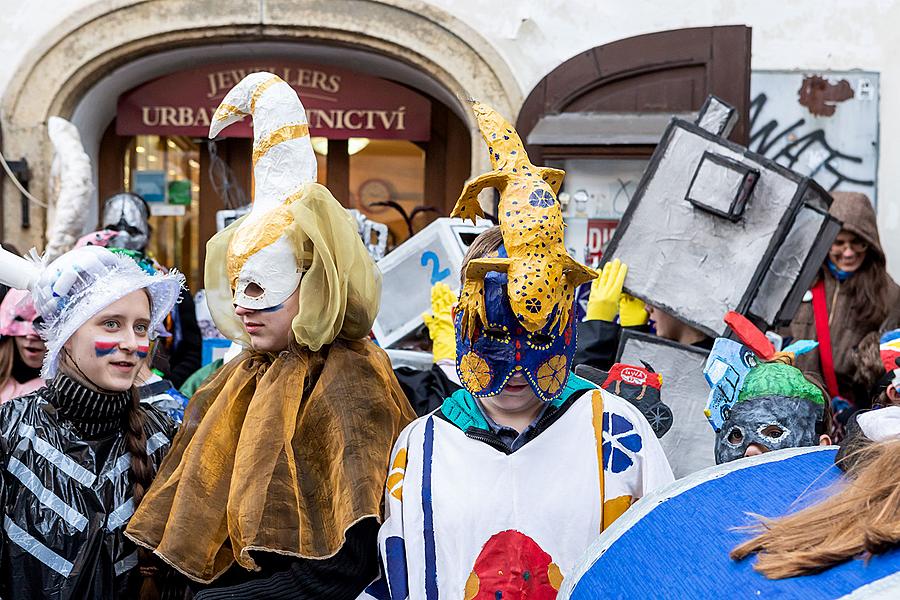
[[620, 443], [541, 198]]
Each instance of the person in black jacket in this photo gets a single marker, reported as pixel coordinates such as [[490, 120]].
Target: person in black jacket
[[77, 455]]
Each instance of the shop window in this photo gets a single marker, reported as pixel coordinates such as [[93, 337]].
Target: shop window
[[595, 194], [320, 147], [599, 188], [389, 171], [165, 171]]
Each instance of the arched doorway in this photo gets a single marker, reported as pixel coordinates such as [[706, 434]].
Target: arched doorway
[[382, 145], [76, 71]]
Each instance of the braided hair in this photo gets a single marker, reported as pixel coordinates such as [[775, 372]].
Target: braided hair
[[140, 470]]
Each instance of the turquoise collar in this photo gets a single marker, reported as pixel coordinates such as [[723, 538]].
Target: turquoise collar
[[462, 410]]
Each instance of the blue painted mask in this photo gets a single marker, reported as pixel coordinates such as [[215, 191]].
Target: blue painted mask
[[726, 367], [502, 346]]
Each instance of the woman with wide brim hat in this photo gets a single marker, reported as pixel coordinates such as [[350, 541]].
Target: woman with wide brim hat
[[78, 454]]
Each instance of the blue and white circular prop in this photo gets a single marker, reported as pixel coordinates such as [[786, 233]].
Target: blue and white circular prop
[[675, 543]]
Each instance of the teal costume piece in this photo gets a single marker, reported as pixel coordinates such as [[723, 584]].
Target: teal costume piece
[[199, 377], [462, 410]]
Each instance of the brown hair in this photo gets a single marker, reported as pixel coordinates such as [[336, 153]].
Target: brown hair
[[487, 241], [826, 425], [141, 473], [7, 356], [866, 358], [868, 291], [860, 520]]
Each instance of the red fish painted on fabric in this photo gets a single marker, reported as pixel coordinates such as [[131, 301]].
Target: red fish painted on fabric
[[512, 566]]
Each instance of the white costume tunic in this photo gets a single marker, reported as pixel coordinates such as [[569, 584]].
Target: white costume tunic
[[467, 520]]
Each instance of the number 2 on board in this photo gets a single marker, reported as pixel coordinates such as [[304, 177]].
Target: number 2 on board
[[437, 274]]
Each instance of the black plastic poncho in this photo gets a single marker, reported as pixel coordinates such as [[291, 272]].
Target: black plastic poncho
[[66, 501]]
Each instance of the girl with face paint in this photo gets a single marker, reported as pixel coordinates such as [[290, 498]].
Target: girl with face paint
[[78, 454], [21, 348]]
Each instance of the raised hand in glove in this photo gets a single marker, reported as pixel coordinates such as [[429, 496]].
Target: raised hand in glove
[[440, 322], [632, 312], [603, 303]]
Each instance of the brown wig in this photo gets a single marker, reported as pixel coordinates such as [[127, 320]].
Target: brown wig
[[487, 242], [867, 359], [860, 520]]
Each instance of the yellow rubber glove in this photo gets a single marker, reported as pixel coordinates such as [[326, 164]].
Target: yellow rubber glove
[[632, 312], [440, 323], [603, 303]]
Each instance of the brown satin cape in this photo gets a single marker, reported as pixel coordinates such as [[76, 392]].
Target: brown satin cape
[[277, 453]]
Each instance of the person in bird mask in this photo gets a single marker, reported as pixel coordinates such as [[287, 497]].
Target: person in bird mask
[[274, 485], [499, 491]]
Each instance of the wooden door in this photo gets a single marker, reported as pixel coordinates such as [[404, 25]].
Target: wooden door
[[665, 72]]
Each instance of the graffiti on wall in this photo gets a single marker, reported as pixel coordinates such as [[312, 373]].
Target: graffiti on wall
[[824, 125]]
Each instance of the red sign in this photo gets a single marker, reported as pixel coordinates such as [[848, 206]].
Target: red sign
[[599, 232], [632, 375], [339, 104]]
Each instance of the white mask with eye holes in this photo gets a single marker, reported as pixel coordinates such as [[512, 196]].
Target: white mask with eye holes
[[274, 270]]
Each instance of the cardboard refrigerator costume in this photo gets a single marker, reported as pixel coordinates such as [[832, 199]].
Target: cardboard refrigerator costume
[[66, 486], [688, 443], [302, 438], [466, 517]]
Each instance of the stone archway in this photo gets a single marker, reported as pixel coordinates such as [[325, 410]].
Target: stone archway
[[56, 74]]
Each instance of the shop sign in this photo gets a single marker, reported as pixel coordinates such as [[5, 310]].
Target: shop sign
[[340, 104], [600, 231]]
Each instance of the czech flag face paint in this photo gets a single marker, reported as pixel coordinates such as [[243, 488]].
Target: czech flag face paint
[[105, 348]]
